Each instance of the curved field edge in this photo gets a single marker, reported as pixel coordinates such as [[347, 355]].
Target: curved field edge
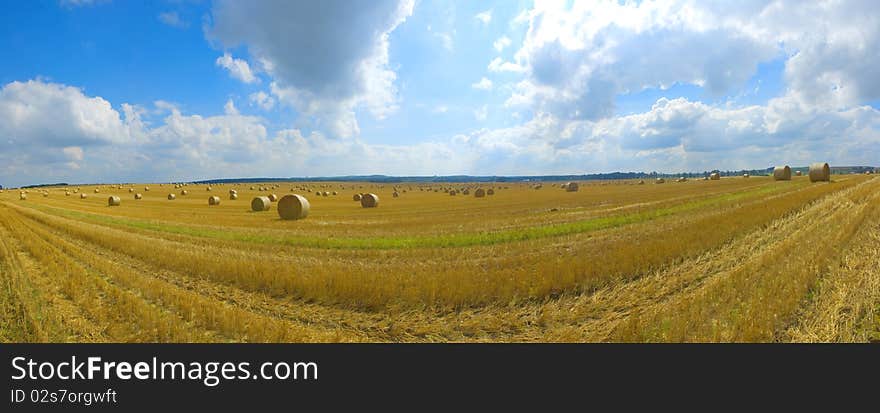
[[438, 241], [583, 269]]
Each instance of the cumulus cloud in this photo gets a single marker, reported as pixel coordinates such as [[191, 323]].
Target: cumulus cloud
[[483, 84], [577, 57], [262, 99], [54, 132], [238, 68], [484, 17], [501, 43], [322, 71]]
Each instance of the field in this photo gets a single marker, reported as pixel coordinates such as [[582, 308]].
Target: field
[[735, 259]]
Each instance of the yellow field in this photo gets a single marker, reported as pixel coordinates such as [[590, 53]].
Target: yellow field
[[730, 260]]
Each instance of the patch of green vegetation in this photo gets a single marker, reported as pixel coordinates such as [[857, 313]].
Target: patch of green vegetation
[[440, 241]]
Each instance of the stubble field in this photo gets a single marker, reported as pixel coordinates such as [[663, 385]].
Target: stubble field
[[729, 260]]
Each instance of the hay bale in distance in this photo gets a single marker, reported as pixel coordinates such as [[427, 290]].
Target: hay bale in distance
[[273, 197], [114, 200], [395, 194], [479, 193], [798, 173], [172, 197], [571, 187], [261, 203], [745, 175], [138, 196], [293, 207], [213, 200], [146, 189], [370, 200], [22, 197], [782, 173], [130, 190], [660, 181], [714, 176], [820, 172], [96, 190], [490, 191], [357, 197], [184, 192]]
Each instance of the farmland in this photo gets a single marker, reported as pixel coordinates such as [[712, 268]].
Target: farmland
[[729, 260]]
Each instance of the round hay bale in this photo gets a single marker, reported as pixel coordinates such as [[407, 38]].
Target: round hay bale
[[213, 200], [172, 197], [714, 176], [452, 193], [681, 179], [490, 191], [138, 196], [96, 190], [130, 190], [782, 173], [660, 181], [22, 197], [326, 193], [184, 192], [273, 197], [820, 172], [208, 189], [252, 188], [745, 175], [479, 193], [641, 182], [82, 195], [293, 207], [370, 200], [571, 187], [233, 196], [114, 200], [335, 193], [146, 189], [798, 173], [232, 191], [357, 197], [261, 203]]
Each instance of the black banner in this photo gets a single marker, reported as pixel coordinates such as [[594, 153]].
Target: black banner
[[257, 377]]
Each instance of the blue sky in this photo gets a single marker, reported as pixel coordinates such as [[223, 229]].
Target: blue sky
[[171, 90]]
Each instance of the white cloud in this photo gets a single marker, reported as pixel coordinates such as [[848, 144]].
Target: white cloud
[[481, 113], [262, 99], [441, 109], [55, 133], [484, 17], [238, 68], [578, 57], [499, 65], [483, 84], [324, 72], [172, 18], [229, 108], [501, 43]]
